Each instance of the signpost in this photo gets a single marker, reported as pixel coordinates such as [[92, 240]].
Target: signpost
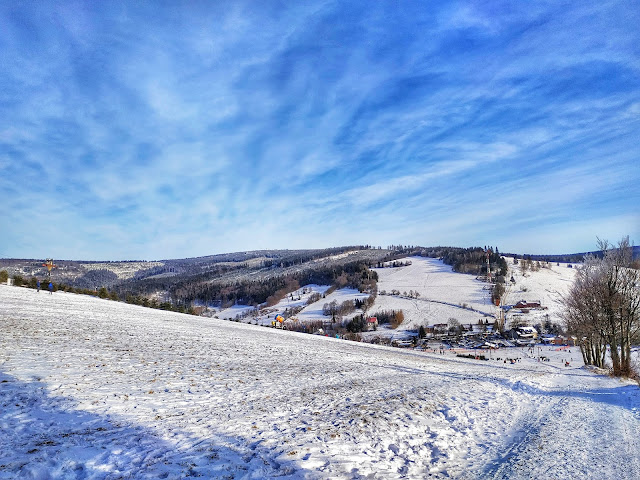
[[50, 266]]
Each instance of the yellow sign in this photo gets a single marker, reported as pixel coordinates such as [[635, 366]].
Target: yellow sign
[[49, 264]]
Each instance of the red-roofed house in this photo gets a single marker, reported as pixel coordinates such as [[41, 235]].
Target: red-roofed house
[[525, 304]]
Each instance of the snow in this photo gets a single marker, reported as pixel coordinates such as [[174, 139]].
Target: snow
[[124, 270], [443, 294], [546, 285], [299, 299], [96, 389], [232, 312], [314, 311]]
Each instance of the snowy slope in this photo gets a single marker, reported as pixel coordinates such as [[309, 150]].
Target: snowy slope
[[124, 270], [95, 389], [443, 294], [546, 285]]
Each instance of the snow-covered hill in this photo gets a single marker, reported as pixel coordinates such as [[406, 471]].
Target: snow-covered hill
[[95, 389], [123, 270], [546, 285], [438, 295], [443, 293]]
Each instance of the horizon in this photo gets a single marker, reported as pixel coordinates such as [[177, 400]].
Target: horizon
[[636, 248], [169, 131]]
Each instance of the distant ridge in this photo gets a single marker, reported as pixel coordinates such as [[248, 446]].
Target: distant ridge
[[568, 257]]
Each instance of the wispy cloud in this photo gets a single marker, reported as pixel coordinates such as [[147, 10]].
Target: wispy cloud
[[156, 131]]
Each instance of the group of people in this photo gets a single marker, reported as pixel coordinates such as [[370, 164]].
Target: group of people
[[50, 287]]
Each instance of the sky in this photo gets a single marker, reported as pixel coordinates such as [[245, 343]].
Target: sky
[[154, 130]]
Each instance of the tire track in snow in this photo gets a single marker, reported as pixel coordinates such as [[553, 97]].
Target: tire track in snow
[[572, 435], [514, 453]]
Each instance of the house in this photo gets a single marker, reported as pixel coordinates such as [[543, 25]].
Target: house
[[440, 328], [565, 341], [372, 323], [527, 333], [524, 304]]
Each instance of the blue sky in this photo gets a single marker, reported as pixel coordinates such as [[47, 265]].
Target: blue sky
[[154, 130]]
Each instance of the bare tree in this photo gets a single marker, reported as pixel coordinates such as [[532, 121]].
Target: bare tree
[[603, 307], [582, 316]]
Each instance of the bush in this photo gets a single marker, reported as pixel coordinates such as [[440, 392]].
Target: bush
[[398, 318], [354, 337], [314, 297], [471, 356], [393, 317]]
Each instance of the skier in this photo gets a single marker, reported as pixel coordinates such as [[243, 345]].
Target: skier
[[51, 288], [38, 286]]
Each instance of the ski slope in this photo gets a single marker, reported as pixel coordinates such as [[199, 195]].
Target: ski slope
[[443, 294], [546, 285], [95, 389]]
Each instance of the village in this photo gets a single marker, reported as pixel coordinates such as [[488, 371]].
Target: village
[[441, 310]]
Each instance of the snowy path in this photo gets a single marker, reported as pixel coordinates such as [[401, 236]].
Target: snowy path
[[96, 389]]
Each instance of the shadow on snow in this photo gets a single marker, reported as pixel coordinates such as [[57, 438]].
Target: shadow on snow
[[48, 437]]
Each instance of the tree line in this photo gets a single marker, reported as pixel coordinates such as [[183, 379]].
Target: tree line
[[472, 260]]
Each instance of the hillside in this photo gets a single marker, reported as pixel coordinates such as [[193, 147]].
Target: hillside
[[442, 293], [572, 257], [546, 286], [248, 278], [96, 389], [428, 292], [200, 279]]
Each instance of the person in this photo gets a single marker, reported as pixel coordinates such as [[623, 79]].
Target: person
[[51, 288], [38, 286]]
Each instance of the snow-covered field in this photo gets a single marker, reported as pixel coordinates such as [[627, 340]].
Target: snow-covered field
[[124, 270], [443, 294], [295, 300], [546, 285], [94, 389]]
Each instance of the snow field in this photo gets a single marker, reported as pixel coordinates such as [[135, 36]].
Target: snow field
[[97, 389], [124, 270], [547, 285], [311, 312], [435, 281], [443, 294]]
